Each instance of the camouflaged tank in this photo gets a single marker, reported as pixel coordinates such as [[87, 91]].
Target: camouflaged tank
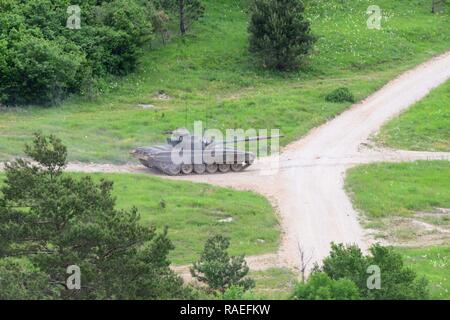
[[187, 154]]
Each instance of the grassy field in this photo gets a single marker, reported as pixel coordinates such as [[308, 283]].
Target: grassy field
[[425, 126], [381, 190], [403, 203], [434, 264], [398, 200], [193, 212], [209, 76]]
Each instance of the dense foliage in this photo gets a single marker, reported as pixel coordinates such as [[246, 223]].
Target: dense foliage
[[50, 221], [20, 279], [280, 36], [397, 282], [237, 292], [321, 287], [220, 271], [42, 60]]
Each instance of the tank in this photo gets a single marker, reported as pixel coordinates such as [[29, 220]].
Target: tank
[[188, 154]]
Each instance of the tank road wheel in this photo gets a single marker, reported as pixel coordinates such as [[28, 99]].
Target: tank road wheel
[[187, 168], [199, 168], [173, 169], [236, 167], [224, 168], [212, 168]]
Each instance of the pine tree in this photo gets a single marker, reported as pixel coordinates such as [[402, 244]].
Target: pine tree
[[51, 220], [218, 270], [280, 36]]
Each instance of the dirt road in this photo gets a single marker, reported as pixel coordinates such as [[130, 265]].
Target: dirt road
[[308, 187]]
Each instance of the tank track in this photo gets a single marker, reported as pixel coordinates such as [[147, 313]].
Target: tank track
[[174, 170]]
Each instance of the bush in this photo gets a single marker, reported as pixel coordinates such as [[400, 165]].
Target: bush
[[238, 293], [40, 70], [321, 287], [218, 270], [397, 281], [280, 36], [342, 94]]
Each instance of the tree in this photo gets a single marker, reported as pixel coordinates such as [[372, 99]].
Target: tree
[[304, 261], [396, 280], [38, 70], [280, 36], [346, 262], [321, 287], [54, 221], [187, 11], [218, 270]]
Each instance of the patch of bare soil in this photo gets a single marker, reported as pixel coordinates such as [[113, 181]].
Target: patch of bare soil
[[419, 230]]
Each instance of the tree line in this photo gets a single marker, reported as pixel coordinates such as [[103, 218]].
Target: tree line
[[43, 58], [49, 50]]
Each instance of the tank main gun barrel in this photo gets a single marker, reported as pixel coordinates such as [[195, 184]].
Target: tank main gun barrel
[[248, 139]]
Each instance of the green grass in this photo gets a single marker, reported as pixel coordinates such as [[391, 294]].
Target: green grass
[[388, 189], [274, 283], [434, 264], [425, 126], [210, 76], [192, 213], [383, 191]]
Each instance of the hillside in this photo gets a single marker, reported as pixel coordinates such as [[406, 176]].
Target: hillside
[[209, 76]]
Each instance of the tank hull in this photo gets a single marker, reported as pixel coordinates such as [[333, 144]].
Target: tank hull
[[164, 158]]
